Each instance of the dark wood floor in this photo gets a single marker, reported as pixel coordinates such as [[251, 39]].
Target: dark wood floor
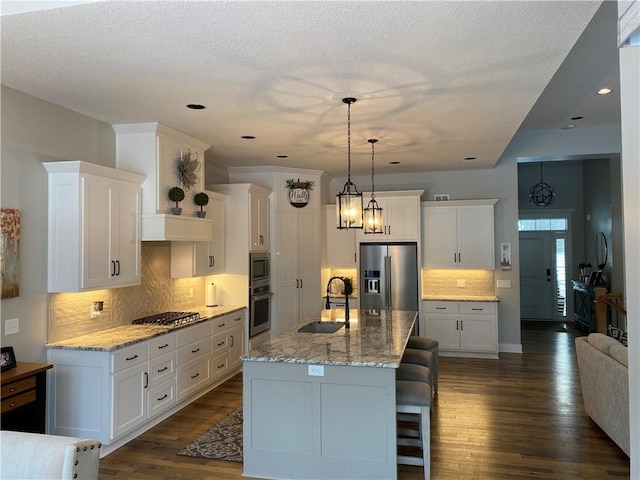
[[520, 417]]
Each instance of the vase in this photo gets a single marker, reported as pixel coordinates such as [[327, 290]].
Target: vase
[[176, 210], [201, 214]]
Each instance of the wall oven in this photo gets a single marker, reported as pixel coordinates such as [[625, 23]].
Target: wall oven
[[259, 309], [259, 269]]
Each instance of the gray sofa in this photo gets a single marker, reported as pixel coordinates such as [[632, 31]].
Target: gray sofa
[[604, 377]]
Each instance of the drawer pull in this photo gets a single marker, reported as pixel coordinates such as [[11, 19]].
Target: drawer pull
[[163, 397], [131, 358], [196, 350], [220, 325], [477, 309], [196, 375], [221, 366], [239, 319], [441, 308], [13, 389], [163, 369], [163, 346], [221, 343], [12, 404]]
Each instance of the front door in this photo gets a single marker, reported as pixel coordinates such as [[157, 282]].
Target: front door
[[536, 276]]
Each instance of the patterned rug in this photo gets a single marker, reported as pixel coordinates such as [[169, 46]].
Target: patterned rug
[[223, 441]]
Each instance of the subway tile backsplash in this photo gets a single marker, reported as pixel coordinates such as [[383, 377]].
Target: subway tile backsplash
[[70, 313], [445, 282]]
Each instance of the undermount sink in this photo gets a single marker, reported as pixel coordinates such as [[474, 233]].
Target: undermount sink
[[321, 327]]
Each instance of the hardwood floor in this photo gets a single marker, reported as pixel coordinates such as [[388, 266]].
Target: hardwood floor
[[514, 418]]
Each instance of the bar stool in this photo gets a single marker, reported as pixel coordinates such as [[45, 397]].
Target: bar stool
[[430, 345], [414, 397], [417, 356]]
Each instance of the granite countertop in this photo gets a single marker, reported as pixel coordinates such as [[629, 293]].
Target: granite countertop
[[374, 339], [462, 298], [125, 335]]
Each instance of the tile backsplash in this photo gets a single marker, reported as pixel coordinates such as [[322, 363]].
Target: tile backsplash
[[70, 313], [445, 282]]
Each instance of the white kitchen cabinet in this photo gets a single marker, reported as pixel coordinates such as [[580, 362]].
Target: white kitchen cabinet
[[259, 229], [463, 328], [340, 244], [197, 259], [152, 149], [298, 271], [94, 227], [400, 215], [459, 234], [130, 407]]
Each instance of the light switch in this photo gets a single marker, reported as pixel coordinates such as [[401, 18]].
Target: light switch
[[503, 283], [461, 282]]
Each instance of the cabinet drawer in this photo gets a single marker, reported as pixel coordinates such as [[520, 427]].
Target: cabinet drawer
[[220, 365], [222, 323], [441, 307], [18, 401], [19, 386], [161, 397], [194, 350], [478, 308], [162, 368], [128, 357], [193, 333], [161, 345], [193, 376], [220, 343]]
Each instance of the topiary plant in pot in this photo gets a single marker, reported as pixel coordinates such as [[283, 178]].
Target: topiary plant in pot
[[201, 199], [176, 194]]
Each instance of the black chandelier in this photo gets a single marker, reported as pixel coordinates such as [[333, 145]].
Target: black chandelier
[[541, 194], [349, 208], [373, 212]]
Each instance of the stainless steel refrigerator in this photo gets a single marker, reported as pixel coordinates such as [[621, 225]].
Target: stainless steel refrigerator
[[388, 276]]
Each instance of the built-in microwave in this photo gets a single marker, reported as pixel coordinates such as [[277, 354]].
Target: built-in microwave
[[260, 269]]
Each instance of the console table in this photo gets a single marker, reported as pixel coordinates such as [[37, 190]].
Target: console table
[[585, 307], [24, 394]]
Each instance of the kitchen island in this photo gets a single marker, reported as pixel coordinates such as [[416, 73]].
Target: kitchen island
[[322, 405]]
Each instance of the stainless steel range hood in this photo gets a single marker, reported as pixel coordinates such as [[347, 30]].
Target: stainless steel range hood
[[152, 149]]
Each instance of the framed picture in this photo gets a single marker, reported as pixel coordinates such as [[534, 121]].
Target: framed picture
[[594, 278], [7, 358]]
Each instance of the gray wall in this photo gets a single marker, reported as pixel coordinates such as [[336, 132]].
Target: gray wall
[[35, 131]]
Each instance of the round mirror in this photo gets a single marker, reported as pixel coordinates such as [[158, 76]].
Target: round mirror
[[601, 250]]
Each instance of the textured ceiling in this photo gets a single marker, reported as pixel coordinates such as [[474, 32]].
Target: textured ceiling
[[436, 81]]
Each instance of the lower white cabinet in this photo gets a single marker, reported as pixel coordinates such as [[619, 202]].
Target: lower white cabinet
[[107, 394], [463, 328]]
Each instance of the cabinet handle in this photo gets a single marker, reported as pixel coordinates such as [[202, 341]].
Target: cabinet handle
[[389, 230], [300, 283], [13, 389], [477, 309], [455, 258], [220, 325], [146, 380], [196, 350], [231, 336], [457, 325], [221, 343], [162, 397], [441, 308], [163, 346], [131, 358], [113, 268], [461, 324], [196, 375], [239, 319], [163, 369], [12, 404], [459, 258], [118, 265], [221, 366]]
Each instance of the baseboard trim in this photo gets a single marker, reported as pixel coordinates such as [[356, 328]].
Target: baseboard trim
[[510, 348]]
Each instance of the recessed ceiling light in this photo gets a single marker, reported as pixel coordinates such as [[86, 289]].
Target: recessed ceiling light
[[196, 106], [394, 163], [248, 137], [604, 91], [469, 158], [577, 118], [569, 126], [283, 156]]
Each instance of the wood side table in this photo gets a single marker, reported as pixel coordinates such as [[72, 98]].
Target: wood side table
[[24, 397]]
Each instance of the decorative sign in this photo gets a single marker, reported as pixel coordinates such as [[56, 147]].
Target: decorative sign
[[505, 256], [299, 192]]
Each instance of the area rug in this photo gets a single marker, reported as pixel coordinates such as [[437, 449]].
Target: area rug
[[223, 441]]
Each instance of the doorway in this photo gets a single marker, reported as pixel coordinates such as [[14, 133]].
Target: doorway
[[543, 268]]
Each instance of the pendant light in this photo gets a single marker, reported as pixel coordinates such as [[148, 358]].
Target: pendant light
[[349, 208], [541, 194], [373, 212]]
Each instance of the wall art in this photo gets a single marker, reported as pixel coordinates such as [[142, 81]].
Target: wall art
[[9, 260]]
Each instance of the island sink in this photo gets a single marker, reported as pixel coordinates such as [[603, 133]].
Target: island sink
[[321, 327]]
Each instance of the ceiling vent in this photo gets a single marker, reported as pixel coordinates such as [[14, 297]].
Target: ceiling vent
[[441, 197]]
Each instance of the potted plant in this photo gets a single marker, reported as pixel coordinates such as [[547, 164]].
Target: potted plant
[[176, 194], [201, 199]]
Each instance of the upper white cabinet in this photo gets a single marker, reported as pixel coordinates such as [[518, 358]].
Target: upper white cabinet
[[341, 244], [94, 227], [459, 234], [153, 150], [259, 227], [196, 259], [400, 214]]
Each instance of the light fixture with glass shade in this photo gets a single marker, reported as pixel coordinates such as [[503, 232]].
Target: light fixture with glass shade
[[373, 212], [349, 201], [541, 194]]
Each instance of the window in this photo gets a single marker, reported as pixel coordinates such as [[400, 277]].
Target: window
[[542, 224]]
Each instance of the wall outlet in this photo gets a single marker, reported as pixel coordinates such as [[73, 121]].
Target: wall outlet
[[12, 326], [96, 308], [503, 283], [316, 370], [461, 282]]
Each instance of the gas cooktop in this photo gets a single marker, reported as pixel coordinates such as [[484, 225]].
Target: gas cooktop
[[168, 318]]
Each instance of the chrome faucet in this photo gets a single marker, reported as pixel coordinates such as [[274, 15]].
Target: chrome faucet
[[348, 290]]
